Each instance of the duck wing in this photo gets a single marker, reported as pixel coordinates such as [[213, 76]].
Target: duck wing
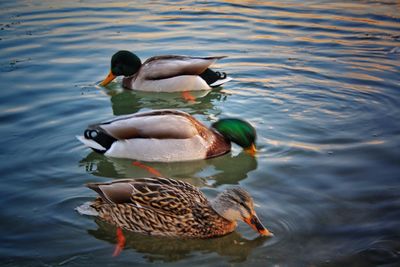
[[167, 124], [168, 66], [159, 194]]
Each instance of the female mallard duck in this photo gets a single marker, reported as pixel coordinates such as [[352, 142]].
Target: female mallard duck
[[166, 136], [165, 73], [167, 207]]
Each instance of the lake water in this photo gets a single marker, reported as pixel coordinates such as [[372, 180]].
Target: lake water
[[320, 81]]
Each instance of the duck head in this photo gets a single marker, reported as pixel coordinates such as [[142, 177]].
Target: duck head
[[239, 132], [122, 63], [236, 204]]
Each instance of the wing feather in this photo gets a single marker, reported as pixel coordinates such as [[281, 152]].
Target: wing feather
[[151, 125], [163, 67], [162, 195]]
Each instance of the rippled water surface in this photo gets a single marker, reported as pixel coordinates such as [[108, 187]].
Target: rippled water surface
[[318, 79]]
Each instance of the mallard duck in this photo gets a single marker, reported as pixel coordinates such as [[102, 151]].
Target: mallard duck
[[166, 73], [166, 207], [167, 136]]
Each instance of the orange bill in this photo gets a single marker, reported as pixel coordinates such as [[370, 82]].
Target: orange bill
[[108, 79], [251, 150], [255, 223]]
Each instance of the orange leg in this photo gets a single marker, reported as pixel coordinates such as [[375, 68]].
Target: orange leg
[[188, 96], [147, 168], [120, 242]]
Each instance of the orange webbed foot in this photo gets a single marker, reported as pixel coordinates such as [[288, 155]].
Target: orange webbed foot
[[120, 242], [188, 96]]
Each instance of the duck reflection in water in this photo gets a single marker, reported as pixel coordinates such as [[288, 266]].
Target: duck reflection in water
[[165, 249], [128, 102], [227, 169]]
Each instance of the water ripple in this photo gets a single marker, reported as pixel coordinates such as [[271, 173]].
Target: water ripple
[[319, 81]]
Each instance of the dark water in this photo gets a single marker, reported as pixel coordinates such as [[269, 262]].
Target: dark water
[[318, 79]]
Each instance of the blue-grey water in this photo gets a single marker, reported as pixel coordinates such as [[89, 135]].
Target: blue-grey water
[[320, 81]]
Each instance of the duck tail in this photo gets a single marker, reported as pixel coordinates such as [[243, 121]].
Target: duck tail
[[97, 140], [214, 78], [87, 209], [92, 144]]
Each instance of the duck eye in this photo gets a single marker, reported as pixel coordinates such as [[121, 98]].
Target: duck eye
[[247, 208]]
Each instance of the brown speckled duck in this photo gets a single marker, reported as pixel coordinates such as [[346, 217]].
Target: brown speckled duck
[[166, 207], [167, 136]]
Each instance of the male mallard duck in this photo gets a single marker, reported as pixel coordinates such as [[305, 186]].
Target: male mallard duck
[[165, 73], [167, 207], [166, 136]]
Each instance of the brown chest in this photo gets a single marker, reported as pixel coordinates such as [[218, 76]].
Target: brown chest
[[218, 145]]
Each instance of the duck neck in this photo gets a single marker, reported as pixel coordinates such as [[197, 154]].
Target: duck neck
[[216, 206], [222, 225], [220, 206], [127, 82]]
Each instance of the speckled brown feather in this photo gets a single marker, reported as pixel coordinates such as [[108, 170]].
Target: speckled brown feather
[[159, 206]]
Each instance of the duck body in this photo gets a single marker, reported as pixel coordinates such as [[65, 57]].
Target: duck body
[[160, 207], [174, 84], [167, 73], [160, 135]]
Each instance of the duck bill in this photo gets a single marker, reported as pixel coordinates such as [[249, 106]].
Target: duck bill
[[108, 79], [251, 150], [255, 223]]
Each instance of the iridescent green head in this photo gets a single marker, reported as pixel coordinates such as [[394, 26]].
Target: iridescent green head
[[123, 63], [239, 132]]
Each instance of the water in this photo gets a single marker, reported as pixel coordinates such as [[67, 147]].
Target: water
[[318, 79]]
